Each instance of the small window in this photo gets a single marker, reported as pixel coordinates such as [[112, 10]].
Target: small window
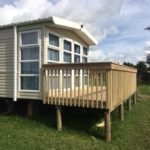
[[53, 54], [76, 58], [30, 53], [53, 40], [85, 51], [67, 57], [29, 38], [84, 59], [67, 45], [77, 48], [29, 82]]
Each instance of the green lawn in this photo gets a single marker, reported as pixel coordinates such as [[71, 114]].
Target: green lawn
[[144, 89], [80, 133]]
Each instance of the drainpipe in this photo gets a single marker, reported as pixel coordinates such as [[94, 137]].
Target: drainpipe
[[15, 65]]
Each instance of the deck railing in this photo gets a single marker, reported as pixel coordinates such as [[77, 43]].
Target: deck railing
[[95, 85]]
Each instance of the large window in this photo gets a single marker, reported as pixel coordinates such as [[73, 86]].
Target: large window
[[29, 60]]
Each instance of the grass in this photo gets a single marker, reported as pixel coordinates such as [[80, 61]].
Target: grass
[[79, 131], [144, 89]]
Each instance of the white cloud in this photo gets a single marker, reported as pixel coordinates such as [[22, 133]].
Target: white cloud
[[97, 55], [99, 16]]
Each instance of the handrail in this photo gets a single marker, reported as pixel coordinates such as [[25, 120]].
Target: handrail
[[94, 65]]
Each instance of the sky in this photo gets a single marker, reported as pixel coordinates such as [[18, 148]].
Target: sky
[[117, 25]]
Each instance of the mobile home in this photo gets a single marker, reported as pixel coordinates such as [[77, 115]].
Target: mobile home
[[47, 60], [25, 46]]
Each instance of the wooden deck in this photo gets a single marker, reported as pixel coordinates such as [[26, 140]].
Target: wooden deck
[[95, 85], [90, 85]]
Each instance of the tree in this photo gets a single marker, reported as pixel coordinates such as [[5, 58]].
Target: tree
[[142, 71], [129, 64]]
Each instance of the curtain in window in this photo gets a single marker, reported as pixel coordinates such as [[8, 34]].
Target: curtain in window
[[77, 48], [67, 57], [53, 54], [29, 83], [29, 38], [30, 68], [77, 59], [84, 59], [53, 40], [85, 51], [67, 45], [30, 53]]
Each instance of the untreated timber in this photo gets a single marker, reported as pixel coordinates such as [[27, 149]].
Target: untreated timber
[[59, 119], [107, 125]]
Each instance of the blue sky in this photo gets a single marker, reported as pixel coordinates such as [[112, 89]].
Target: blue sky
[[118, 25]]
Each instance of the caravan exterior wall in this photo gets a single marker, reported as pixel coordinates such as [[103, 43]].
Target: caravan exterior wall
[[34, 49], [6, 62]]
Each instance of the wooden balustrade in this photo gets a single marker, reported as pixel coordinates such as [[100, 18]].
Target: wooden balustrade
[[94, 85]]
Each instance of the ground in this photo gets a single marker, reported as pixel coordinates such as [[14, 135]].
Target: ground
[[79, 131]]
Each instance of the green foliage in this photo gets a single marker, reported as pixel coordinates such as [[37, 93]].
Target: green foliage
[[129, 64], [142, 71], [142, 67]]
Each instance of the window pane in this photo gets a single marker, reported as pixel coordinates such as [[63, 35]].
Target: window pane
[[67, 57], [30, 53], [53, 54], [53, 40], [85, 51], [77, 48], [29, 38], [29, 83], [84, 59], [76, 58], [66, 83], [30, 68], [67, 45]]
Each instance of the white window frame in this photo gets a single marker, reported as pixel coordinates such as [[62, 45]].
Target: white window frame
[[39, 60], [66, 51], [57, 48]]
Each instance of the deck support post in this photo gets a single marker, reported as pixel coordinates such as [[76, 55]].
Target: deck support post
[[107, 125], [59, 119], [121, 112], [10, 107], [129, 104], [30, 109], [134, 98]]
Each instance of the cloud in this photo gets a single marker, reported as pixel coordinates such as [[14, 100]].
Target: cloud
[[111, 22], [97, 55], [87, 12]]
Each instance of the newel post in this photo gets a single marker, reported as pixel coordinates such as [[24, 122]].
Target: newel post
[[108, 105]]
